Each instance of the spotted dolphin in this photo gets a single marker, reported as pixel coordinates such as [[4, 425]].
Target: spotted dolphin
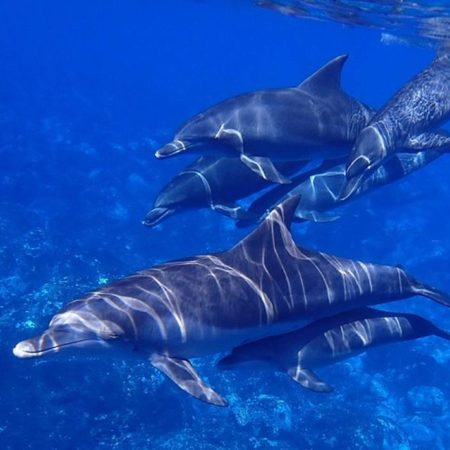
[[330, 340], [210, 182], [421, 104], [264, 285], [320, 191], [314, 120]]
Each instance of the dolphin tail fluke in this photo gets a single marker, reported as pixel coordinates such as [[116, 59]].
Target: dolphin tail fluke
[[430, 292], [265, 168], [309, 380], [181, 372]]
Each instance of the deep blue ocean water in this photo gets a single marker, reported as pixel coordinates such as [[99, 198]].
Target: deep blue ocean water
[[88, 91]]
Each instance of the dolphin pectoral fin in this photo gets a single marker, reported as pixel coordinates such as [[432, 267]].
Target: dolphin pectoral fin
[[309, 380], [265, 168], [233, 211], [315, 216], [181, 372]]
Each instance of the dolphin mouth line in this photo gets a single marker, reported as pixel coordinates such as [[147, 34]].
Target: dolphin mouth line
[[20, 353], [157, 220], [171, 149]]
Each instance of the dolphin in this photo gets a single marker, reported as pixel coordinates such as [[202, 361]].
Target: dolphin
[[320, 191], [328, 341], [314, 120], [264, 285], [421, 104], [210, 182]]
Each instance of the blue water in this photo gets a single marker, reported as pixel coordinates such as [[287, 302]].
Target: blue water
[[88, 91]]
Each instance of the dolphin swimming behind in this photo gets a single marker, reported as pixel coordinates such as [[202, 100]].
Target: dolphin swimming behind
[[264, 285], [312, 121], [420, 105], [328, 341]]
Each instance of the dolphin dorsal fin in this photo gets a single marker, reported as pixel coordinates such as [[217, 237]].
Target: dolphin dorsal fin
[[275, 228], [327, 78]]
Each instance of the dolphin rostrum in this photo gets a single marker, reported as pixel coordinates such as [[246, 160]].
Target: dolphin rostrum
[[210, 182], [421, 104], [262, 286], [320, 191], [314, 120], [330, 340]]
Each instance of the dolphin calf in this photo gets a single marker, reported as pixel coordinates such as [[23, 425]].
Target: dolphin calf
[[421, 104], [330, 340], [210, 182], [320, 192], [314, 120], [264, 285]]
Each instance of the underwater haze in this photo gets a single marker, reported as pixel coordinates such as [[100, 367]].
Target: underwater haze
[[88, 91]]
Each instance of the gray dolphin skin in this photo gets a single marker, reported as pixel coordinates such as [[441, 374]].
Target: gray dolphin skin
[[264, 285], [328, 341], [315, 120], [320, 192], [421, 104], [210, 182]]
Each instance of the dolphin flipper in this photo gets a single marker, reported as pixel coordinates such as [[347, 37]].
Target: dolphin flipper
[[181, 372], [265, 168], [233, 211], [309, 380]]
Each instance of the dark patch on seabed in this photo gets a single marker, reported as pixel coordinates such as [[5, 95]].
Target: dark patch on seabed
[[88, 92]]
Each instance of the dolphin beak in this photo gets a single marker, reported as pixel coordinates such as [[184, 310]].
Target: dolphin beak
[[171, 149], [25, 349], [156, 216], [55, 339]]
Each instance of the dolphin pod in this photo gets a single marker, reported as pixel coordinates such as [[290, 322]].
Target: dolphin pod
[[263, 286], [330, 340], [314, 120], [421, 104]]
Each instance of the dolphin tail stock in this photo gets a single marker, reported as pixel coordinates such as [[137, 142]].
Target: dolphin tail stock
[[436, 331], [427, 291]]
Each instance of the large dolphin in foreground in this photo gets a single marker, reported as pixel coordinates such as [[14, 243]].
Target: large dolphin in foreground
[[264, 285], [328, 341], [315, 120], [210, 182], [320, 192], [421, 104]]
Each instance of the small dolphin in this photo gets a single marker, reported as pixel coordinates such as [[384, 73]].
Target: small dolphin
[[330, 340], [421, 104], [210, 182], [264, 285], [315, 120], [320, 192]]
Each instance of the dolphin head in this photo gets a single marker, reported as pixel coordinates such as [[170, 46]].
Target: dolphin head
[[367, 155], [69, 330], [204, 130]]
